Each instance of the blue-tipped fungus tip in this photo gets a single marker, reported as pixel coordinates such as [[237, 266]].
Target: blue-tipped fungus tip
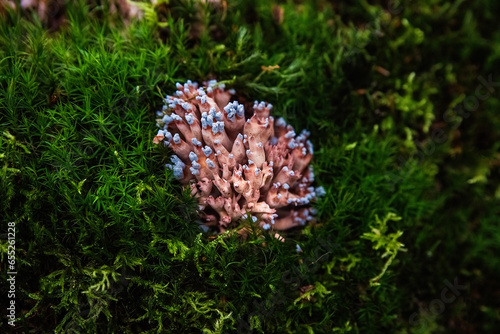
[[177, 138], [193, 156], [207, 151]]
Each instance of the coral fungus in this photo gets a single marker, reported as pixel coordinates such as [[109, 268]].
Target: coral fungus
[[238, 167]]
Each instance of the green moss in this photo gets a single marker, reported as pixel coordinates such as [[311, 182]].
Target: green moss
[[107, 242]]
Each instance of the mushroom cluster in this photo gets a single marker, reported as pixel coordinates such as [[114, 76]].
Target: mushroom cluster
[[238, 164]]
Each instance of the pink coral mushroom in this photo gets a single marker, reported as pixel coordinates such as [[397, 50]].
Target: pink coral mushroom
[[237, 167]]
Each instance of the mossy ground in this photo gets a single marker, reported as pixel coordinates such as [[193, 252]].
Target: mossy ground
[[106, 242]]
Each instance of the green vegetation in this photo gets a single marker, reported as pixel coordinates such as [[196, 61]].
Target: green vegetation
[[107, 242]]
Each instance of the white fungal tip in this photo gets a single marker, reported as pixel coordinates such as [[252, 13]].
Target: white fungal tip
[[178, 172], [167, 119], [281, 122], [176, 117], [177, 138], [210, 163], [320, 191], [193, 156], [194, 171], [207, 151]]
